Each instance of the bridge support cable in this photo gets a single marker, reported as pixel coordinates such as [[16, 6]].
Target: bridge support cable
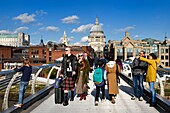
[[5, 101], [49, 74]]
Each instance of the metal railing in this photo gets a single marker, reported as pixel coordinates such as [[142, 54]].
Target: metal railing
[[15, 78]]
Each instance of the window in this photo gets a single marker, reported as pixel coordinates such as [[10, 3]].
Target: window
[[162, 50], [166, 63], [166, 57], [148, 50], [166, 50], [155, 48], [162, 57], [129, 49]]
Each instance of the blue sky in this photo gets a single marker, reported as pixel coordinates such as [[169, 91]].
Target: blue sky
[[50, 18]]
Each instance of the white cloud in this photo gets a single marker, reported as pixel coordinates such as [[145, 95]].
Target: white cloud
[[25, 18], [128, 28], [82, 28], [5, 32], [136, 36], [20, 29], [84, 39], [52, 28], [41, 12], [70, 19], [39, 24], [77, 43]]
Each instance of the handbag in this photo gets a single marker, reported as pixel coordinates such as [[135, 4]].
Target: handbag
[[58, 83]]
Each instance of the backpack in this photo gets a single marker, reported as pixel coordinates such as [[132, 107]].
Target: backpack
[[98, 76]]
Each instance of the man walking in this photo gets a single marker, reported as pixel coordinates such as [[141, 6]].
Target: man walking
[[69, 72]]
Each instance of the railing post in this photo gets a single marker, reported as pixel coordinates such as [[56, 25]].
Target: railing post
[[162, 93], [34, 80], [5, 101], [49, 74]]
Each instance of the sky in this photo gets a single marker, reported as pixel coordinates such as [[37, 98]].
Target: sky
[[48, 19]]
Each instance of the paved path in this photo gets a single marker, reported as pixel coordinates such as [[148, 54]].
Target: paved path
[[123, 104]]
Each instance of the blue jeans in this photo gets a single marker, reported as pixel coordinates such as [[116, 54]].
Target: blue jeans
[[22, 88], [153, 93], [136, 79]]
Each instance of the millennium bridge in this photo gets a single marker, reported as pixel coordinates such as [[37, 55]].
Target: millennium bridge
[[42, 101]]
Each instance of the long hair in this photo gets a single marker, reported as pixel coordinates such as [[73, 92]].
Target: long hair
[[153, 55]]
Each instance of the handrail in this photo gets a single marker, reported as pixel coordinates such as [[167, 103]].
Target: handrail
[[5, 102]]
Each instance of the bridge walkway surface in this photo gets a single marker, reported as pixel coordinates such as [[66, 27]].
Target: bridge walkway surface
[[123, 104]]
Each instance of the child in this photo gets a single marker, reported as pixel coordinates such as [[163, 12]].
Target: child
[[26, 70], [101, 85]]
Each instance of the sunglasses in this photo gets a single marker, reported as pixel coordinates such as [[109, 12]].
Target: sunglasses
[[80, 55], [66, 50]]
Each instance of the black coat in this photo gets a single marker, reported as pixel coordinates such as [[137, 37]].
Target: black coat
[[73, 64]]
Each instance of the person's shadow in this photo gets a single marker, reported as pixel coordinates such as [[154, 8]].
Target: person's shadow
[[93, 93], [127, 89]]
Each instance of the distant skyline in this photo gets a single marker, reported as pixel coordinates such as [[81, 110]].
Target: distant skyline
[[48, 19]]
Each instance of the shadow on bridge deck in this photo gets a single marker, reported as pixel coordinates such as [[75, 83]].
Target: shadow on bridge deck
[[123, 104]]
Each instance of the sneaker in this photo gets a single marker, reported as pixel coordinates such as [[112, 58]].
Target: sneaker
[[133, 98], [103, 100], [18, 105], [113, 100], [96, 103], [141, 99]]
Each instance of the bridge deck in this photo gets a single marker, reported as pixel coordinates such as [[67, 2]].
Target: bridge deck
[[123, 104]]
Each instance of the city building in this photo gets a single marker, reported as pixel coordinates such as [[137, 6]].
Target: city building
[[128, 47], [97, 39], [15, 40]]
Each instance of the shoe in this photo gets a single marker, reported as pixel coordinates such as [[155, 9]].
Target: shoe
[[65, 103], [141, 99], [96, 103], [103, 100], [84, 95], [18, 105], [133, 98], [71, 99], [81, 97], [113, 100]]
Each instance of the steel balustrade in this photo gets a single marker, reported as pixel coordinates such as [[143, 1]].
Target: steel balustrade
[[11, 72]]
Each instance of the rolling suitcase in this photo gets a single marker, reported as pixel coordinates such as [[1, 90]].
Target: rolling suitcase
[[59, 95]]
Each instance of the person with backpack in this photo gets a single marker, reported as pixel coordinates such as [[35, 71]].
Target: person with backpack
[[111, 69], [99, 81]]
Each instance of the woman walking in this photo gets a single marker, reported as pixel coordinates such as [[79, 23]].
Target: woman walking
[[82, 78], [111, 68]]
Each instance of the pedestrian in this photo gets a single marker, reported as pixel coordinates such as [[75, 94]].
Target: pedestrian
[[69, 74], [82, 77], [119, 62], [138, 70], [111, 68], [100, 86], [90, 63], [151, 74], [26, 70]]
